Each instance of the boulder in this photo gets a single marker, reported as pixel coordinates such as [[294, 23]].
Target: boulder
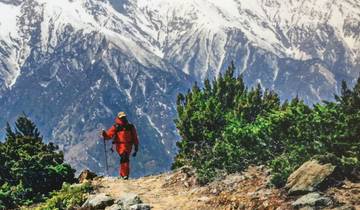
[[308, 177], [114, 207], [98, 201], [86, 175], [312, 200], [128, 199], [141, 206]]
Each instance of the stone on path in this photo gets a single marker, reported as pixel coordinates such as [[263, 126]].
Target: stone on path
[[86, 175], [128, 199], [141, 206], [98, 201], [308, 177], [114, 207], [312, 200]]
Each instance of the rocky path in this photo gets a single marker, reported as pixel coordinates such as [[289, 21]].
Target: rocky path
[[177, 190], [247, 190], [153, 190], [150, 190]]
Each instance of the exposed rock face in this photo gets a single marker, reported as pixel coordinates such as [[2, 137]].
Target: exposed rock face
[[312, 200], [98, 201], [86, 175], [308, 177]]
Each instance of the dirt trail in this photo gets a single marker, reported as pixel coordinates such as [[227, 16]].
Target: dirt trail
[[248, 190], [152, 190], [178, 190]]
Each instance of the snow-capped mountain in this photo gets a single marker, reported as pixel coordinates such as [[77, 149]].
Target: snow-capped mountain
[[73, 64]]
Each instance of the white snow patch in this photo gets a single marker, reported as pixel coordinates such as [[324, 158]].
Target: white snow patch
[[96, 161], [162, 89], [107, 109], [12, 64], [44, 84], [9, 35], [140, 112], [142, 86], [153, 125], [315, 92], [329, 76], [8, 21], [97, 84], [246, 59], [128, 94], [166, 107]]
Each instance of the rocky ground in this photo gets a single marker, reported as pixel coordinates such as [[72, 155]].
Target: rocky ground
[[247, 190]]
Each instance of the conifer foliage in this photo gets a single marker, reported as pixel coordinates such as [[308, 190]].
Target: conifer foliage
[[29, 168], [226, 126]]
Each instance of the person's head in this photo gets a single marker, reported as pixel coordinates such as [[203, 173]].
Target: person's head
[[122, 116]]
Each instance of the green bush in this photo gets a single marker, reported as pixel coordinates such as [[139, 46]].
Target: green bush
[[226, 126], [69, 197], [30, 169]]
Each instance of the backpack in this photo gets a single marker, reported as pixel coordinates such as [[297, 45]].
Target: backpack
[[127, 127]]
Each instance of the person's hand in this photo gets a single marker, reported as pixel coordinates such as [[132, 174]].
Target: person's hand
[[134, 154], [102, 133], [136, 148]]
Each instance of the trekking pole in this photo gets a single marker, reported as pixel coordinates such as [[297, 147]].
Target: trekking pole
[[106, 162]]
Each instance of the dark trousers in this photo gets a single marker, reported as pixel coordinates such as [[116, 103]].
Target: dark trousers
[[124, 168]]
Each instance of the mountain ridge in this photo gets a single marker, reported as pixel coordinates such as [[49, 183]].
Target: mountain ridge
[[72, 65]]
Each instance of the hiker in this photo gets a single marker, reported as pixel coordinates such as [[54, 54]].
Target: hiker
[[124, 137]]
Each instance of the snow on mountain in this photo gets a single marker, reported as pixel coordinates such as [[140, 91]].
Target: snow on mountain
[[8, 32], [198, 36], [73, 64]]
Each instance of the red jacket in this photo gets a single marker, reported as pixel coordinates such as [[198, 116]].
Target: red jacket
[[126, 136]]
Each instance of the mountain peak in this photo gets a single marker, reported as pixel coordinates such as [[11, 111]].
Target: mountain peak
[[137, 55]]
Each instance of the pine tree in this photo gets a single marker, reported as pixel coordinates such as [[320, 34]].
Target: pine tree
[[226, 126], [30, 168], [25, 127]]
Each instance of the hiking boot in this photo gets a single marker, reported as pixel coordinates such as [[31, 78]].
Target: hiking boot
[[124, 177]]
